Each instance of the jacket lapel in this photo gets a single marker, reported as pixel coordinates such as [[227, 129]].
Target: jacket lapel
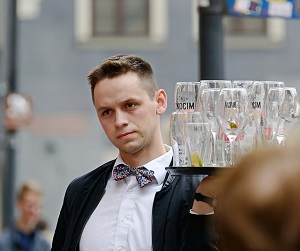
[[160, 209]]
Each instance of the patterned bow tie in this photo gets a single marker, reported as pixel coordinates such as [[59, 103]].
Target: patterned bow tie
[[142, 174]]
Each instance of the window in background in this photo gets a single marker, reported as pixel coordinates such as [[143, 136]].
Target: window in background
[[253, 33], [247, 32], [120, 23], [120, 17], [235, 26]]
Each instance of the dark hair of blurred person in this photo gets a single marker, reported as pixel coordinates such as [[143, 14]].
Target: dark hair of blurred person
[[24, 235], [258, 208]]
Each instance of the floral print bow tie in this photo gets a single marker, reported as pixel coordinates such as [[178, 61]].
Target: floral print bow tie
[[142, 174]]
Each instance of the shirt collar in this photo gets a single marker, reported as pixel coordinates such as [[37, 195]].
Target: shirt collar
[[157, 165]]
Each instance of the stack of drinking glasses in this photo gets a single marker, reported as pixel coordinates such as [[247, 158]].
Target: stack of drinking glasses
[[217, 121]]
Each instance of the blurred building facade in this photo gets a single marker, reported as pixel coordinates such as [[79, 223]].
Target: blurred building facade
[[58, 44]]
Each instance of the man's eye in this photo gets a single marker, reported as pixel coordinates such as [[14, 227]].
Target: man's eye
[[130, 105], [106, 112]]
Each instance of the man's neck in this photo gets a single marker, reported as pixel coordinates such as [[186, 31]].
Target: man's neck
[[142, 157]]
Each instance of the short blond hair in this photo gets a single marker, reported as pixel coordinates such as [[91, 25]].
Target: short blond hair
[[29, 186]]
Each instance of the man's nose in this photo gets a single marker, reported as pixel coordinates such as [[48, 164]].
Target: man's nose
[[121, 118]]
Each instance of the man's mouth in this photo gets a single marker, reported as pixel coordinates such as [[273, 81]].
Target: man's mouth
[[124, 135]]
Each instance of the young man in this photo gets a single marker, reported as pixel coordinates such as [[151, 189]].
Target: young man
[[24, 235], [103, 210]]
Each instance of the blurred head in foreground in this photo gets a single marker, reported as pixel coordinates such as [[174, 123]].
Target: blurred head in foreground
[[259, 207]]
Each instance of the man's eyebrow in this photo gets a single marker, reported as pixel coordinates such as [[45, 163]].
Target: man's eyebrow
[[101, 108], [129, 100]]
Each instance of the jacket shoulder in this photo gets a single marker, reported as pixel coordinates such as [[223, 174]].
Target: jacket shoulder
[[5, 239], [91, 177], [41, 243]]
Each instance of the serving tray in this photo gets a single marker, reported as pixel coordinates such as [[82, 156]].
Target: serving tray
[[195, 170]]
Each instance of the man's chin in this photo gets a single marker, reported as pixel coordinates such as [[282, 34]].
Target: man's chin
[[131, 149]]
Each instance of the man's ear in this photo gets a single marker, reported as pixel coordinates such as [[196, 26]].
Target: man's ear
[[161, 99]]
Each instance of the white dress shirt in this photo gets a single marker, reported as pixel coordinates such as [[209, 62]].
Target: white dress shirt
[[123, 218]]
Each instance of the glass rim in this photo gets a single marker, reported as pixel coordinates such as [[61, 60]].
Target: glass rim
[[216, 81], [187, 83]]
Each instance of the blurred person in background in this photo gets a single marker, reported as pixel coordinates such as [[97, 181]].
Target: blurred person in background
[[258, 205], [131, 202], [24, 235], [44, 228]]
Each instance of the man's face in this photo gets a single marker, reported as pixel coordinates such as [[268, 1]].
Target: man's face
[[29, 207], [126, 113]]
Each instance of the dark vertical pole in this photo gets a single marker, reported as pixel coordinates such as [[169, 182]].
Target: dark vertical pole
[[9, 65], [211, 40]]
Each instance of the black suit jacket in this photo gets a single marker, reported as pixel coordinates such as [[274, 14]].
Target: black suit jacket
[[174, 228]]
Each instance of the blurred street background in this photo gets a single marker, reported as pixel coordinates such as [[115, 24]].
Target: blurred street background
[[59, 42]]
